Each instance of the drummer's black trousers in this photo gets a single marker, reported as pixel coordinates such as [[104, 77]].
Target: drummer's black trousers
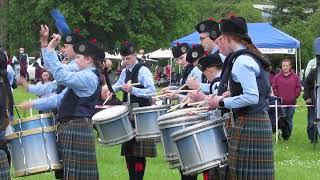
[[187, 177], [136, 167]]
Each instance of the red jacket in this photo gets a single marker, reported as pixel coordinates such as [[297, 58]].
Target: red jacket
[[287, 87]]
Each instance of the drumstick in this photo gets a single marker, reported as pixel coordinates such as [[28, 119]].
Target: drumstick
[[107, 99], [134, 84], [181, 91], [196, 103], [184, 102], [183, 86]]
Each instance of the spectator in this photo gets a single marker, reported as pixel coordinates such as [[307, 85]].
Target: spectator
[[24, 61], [310, 99], [311, 65], [167, 70], [16, 64], [107, 71], [286, 85]]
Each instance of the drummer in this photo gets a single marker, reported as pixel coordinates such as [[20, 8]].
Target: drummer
[[69, 41], [135, 152], [208, 31], [76, 105], [247, 72], [189, 71], [211, 67], [6, 108]]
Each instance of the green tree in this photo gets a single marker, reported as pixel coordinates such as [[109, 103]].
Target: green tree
[[150, 24]]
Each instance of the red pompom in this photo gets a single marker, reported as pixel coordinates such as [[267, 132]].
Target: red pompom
[[77, 30], [220, 20], [206, 53], [211, 19], [93, 40], [125, 42], [177, 43], [231, 15]]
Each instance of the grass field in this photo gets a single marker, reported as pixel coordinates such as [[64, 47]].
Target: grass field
[[295, 159]]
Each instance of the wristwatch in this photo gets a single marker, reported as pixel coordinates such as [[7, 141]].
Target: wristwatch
[[221, 103]]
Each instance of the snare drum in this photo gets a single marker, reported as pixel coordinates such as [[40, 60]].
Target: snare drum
[[41, 120], [169, 126], [146, 123], [202, 146], [113, 125], [34, 151]]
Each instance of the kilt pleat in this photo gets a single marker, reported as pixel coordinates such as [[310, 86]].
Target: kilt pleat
[[76, 146], [251, 148], [4, 166], [141, 148]]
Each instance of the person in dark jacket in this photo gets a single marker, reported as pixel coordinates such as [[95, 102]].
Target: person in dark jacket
[[309, 97]]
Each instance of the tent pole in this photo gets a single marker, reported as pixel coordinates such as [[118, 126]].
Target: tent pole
[[297, 62], [171, 68], [300, 60]]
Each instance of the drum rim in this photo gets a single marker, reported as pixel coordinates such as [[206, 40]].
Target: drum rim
[[203, 166], [175, 114], [111, 118], [37, 169], [32, 118], [197, 127], [183, 120], [30, 132], [138, 110]]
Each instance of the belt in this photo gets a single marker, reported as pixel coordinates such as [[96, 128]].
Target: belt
[[72, 119]]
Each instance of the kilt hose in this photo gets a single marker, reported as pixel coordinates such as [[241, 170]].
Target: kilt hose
[[4, 166], [76, 147], [251, 149], [135, 153]]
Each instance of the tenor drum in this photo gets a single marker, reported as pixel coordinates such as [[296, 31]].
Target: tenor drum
[[202, 146], [113, 125], [40, 120], [169, 126], [146, 123], [34, 151]]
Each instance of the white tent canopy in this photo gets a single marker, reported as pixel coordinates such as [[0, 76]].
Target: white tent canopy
[[160, 54], [112, 56]]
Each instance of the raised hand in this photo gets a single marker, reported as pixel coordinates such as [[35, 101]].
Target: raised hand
[[44, 34]]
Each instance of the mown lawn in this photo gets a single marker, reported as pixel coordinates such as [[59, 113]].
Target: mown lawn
[[295, 159]]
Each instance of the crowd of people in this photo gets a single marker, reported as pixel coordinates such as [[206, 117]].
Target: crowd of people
[[226, 71]]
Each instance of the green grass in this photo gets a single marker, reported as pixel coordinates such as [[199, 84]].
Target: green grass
[[295, 159]]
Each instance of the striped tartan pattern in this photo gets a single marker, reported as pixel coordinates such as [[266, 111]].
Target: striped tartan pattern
[[76, 146], [4, 166], [251, 149], [144, 148]]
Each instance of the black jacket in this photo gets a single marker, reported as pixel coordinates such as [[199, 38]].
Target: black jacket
[[309, 84]]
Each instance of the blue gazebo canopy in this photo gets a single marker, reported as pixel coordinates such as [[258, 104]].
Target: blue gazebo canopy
[[263, 35]]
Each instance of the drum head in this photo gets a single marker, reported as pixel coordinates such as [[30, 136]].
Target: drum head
[[175, 114], [110, 113]]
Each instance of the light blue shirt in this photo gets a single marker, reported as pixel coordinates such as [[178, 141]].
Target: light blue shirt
[[10, 74], [48, 88], [196, 73], [244, 71], [84, 82], [144, 78]]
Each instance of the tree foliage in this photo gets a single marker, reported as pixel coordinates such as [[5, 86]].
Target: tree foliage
[[150, 24]]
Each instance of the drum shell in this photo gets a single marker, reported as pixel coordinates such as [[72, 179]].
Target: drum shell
[[146, 121], [170, 126], [202, 146], [114, 131], [41, 120], [34, 151]]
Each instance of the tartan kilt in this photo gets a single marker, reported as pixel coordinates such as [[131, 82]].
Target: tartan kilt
[[251, 148], [4, 166], [141, 148], [76, 147]]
